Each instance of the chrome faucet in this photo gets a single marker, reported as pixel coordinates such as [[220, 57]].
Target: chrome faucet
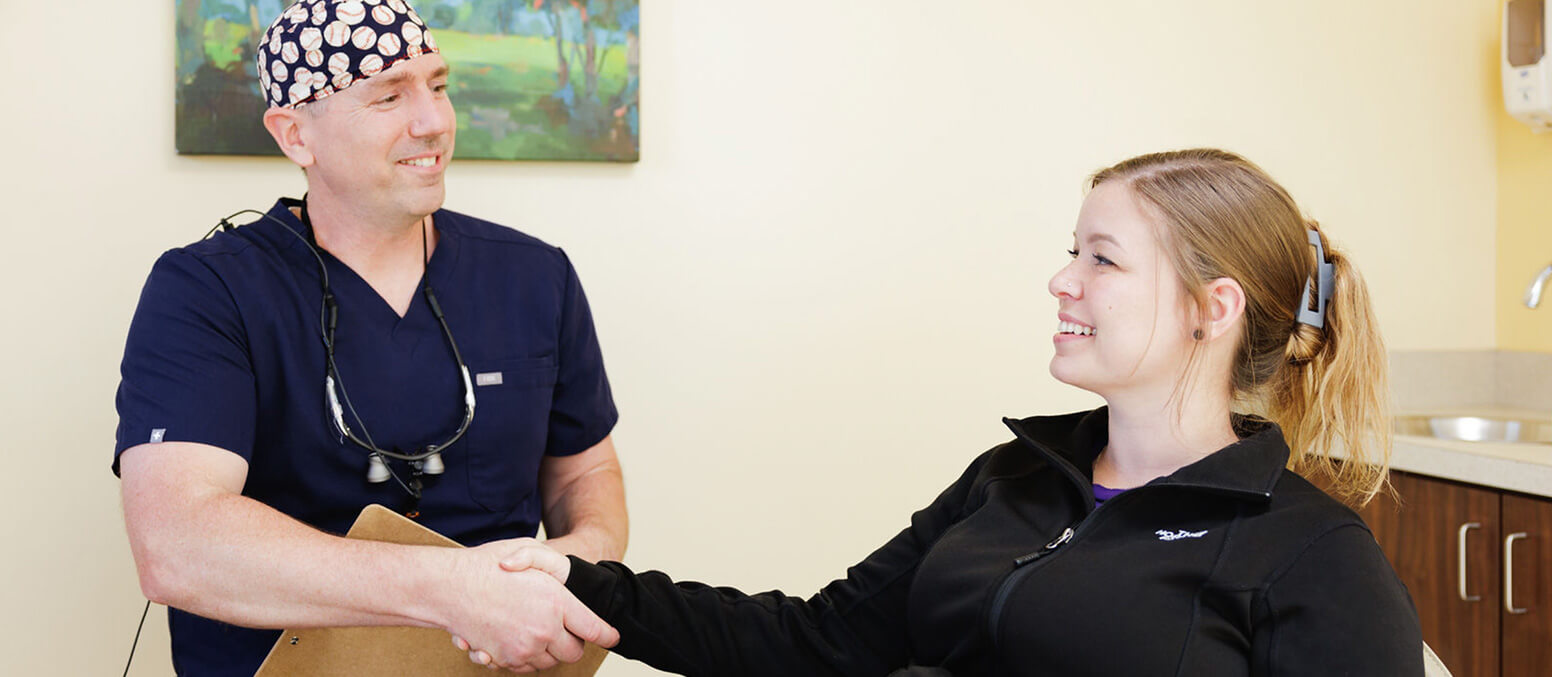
[[1533, 294]]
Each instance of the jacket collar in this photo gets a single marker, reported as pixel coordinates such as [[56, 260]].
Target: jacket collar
[[1245, 470]]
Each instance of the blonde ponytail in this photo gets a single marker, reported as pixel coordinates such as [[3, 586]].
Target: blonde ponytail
[[1332, 389]]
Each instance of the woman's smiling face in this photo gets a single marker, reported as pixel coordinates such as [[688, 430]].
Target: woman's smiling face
[[1124, 320]]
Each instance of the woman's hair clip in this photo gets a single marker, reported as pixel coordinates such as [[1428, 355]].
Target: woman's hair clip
[[1309, 313]]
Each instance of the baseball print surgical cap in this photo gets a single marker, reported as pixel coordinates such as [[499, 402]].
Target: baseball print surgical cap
[[318, 47]]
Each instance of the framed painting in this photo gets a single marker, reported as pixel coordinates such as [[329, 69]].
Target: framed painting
[[531, 79]]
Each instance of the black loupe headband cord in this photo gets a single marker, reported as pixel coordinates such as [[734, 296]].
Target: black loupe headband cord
[[427, 461]]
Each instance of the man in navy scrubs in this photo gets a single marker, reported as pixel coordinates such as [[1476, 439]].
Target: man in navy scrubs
[[364, 346]]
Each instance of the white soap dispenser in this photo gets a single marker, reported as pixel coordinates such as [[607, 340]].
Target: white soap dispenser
[[1527, 69]]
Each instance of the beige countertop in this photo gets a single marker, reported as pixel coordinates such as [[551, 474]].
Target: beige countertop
[[1482, 383], [1518, 467]]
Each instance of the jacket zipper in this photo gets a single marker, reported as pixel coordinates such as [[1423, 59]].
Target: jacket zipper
[[1049, 547], [1021, 566]]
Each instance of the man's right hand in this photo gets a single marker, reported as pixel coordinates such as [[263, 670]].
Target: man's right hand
[[523, 621]]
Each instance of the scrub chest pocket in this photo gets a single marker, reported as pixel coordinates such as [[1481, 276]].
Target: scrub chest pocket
[[510, 429]]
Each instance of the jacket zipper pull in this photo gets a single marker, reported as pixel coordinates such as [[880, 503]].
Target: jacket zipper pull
[[1048, 549]]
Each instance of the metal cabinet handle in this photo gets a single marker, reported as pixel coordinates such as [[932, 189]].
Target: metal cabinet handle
[[1509, 573], [1460, 555]]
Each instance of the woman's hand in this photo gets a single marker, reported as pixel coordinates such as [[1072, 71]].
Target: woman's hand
[[522, 554]]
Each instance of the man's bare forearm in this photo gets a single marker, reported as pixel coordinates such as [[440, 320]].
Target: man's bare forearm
[[584, 504], [208, 551]]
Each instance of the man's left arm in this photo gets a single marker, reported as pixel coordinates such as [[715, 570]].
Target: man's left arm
[[584, 503]]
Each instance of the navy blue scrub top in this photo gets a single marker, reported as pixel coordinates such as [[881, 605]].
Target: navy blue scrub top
[[225, 350]]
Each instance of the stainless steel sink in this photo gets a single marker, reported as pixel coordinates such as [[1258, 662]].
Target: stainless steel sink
[[1477, 428]]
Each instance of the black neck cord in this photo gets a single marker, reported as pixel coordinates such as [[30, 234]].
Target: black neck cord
[[138, 628], [436, 311], [328, 320]]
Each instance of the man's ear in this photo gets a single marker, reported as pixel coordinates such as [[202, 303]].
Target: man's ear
[[1225, 306], [286, 126]]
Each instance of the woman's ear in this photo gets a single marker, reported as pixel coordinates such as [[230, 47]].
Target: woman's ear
[[1225, 306], [286, 126]]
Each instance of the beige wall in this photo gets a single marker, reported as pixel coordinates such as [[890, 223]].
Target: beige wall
[[1524, 233], [819, 289]]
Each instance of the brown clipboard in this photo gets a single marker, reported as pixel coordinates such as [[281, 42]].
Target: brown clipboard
[[376, 651]]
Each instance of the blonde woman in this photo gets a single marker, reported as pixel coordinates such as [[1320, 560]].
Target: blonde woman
[[1164, 534]]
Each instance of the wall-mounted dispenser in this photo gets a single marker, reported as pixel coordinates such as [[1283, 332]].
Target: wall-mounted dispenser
[[1527, 70]]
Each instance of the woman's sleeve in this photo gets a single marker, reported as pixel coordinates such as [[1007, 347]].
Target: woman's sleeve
[[1338, 609], [855, 626]]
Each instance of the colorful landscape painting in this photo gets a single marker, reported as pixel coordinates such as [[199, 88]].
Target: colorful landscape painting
[[531, 79]]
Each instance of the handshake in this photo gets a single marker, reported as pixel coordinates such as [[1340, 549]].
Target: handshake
[[513, 611]]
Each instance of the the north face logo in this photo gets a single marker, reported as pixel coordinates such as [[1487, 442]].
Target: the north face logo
[[1167, 535]]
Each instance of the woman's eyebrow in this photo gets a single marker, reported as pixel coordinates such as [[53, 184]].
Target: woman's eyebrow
[[1104, 237]]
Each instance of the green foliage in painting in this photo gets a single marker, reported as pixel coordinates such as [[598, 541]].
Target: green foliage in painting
[[531, 79]]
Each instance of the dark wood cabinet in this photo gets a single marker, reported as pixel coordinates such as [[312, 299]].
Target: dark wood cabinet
[[1449, 541], [1527, 620], [1422, 537]]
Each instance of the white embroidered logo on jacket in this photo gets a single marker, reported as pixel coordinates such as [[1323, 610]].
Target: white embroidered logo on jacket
[[1167, 535]]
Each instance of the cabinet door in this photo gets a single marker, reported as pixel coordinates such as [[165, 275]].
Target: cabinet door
[[1527, 636], [1422, 539]]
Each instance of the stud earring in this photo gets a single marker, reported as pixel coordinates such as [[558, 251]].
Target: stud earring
[[1197, 334]]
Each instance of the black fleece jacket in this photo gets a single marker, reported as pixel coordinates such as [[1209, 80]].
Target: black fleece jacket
[[1229, 566]]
